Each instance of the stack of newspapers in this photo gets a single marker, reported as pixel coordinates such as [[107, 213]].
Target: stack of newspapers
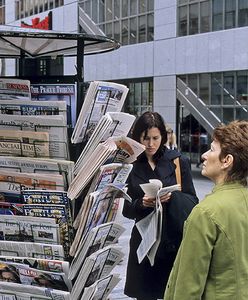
[[36, 224], [50, 246]]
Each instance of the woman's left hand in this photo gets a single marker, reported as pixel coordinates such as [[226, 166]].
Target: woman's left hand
[[165, 198]]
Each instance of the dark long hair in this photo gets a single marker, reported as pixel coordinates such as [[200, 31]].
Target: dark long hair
[[147, 121]]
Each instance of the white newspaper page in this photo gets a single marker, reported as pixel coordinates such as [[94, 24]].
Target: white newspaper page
[[101, 97]]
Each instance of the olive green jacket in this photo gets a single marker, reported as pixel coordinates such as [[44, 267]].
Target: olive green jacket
[[212, 262]]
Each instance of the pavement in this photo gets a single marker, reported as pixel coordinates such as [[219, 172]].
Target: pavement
[[202, 185]]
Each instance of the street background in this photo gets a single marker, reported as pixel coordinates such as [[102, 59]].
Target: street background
[[202, 185]]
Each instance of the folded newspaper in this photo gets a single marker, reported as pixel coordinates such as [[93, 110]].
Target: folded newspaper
[[150, 227]]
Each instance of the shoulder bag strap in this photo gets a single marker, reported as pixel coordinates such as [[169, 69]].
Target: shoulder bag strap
[[178, 171]]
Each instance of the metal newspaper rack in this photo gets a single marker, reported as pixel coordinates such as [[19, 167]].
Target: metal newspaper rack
[[20, 43]]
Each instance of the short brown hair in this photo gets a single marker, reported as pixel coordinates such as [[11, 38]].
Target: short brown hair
[[233, 139]]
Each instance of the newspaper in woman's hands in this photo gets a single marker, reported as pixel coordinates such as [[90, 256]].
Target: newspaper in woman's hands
[[154, 188]]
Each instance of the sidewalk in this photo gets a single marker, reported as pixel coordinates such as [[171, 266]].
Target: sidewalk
[[202, 186]]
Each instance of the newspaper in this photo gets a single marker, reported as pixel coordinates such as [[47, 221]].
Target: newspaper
[[101, 288], [34, 293], [7, 208], [111, 124], [12, 183], [122, 150], [51, 265], [97, 238], [22, 228], [60, 213], [55, 126], [45, 197], [39, 165], [127, 149], [111, 173], [57, 92], [8, 295], [37, 250], [23, 274], [27, 107], [97, 158], [101, 97], [96, 266], [24, 143], [150, 227], [14, 89]]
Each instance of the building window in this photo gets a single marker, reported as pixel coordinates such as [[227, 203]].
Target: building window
[[225, 94], [2, 12], [242, 13], [26, 8], [140, 96], [128, 21], [198, 16]]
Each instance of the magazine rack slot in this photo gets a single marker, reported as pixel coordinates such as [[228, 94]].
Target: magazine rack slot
[[31, 184], [10, 168], [61, 172]]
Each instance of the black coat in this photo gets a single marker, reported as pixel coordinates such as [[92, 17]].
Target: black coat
[[143, 280]]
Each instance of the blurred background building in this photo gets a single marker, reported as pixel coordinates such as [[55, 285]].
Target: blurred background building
[[187, 59]]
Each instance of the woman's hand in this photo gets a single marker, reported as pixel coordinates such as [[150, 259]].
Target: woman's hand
[[165, 198], [148, 202]]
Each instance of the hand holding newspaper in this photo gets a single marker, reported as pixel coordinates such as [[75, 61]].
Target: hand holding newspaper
[[150, 227]]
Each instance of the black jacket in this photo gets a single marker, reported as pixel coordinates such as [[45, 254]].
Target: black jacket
[[143, 280]]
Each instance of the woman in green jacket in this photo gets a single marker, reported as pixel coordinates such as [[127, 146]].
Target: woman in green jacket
[[212, 262]]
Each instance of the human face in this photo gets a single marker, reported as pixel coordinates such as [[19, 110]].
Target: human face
[[212, 166], [8, 276], [152, 141]]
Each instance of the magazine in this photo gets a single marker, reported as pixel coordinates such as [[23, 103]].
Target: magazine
[[24, 143], [14, 89], [101, 97]]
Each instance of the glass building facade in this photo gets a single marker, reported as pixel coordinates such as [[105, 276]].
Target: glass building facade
[[199, 16], [128, 21]]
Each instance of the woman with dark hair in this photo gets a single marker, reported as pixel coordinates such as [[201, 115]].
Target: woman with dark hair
[[212, 262], [143, 281]]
